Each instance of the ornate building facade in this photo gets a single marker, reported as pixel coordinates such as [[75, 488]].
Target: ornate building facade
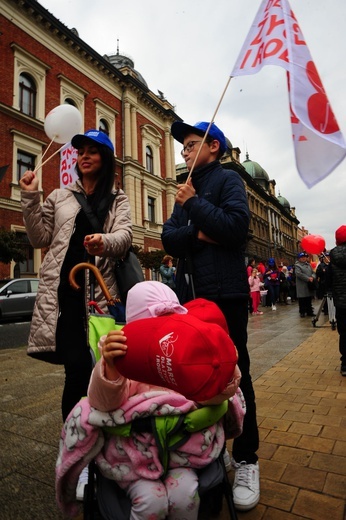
[[274, 225], [45, 64]]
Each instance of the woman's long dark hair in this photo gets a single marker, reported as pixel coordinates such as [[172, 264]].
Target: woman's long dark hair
[[103, 192]]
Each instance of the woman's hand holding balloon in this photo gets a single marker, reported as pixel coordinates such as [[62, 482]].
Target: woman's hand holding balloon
[[29, 181]]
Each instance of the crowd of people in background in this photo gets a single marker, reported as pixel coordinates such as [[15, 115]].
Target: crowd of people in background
[[303, 282], [270, 284]]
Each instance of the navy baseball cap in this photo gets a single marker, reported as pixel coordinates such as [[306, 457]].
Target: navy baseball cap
[[179, 130], [93, 135], [300, 255]]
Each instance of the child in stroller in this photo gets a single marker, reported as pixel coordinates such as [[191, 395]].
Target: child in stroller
[[156, 468]]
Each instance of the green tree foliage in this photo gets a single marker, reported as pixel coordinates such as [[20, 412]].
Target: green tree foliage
[[10, 247], [149, 259]]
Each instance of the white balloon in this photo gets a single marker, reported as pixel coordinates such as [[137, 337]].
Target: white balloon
[[62, 123]]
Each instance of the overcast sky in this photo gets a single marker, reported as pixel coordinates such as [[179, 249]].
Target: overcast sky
[[187, 50]]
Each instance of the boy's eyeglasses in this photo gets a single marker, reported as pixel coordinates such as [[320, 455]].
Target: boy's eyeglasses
[[189, 147]]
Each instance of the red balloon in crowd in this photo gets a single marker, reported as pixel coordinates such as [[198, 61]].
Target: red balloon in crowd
[[313, 244]]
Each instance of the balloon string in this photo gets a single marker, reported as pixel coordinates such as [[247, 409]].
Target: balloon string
[[49, 158], [44, 153]]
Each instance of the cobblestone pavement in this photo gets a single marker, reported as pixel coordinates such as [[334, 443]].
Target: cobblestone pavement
[[301, 404]]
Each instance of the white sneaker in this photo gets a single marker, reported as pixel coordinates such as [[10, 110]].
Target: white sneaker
[[82, 481], [246, 486], [273, 308], [227, 460]]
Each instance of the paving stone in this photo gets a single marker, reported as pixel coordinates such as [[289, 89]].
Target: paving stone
[[293, 456], [305, 428], [316, 444], [283, 438], [316, 506], [305, 478], [330, 463]]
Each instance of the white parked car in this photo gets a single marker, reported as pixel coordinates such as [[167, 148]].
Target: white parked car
[[17, 297]]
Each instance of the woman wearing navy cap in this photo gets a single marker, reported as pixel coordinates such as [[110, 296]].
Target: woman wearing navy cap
[[58, 331]]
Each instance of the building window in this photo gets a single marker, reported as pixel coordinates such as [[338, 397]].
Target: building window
[[27, 95], [149, 159], [70, 101], [29, 83], [103, 126], [72, 94], [105, 120], [151, 210], [27, 266], [25, 162]]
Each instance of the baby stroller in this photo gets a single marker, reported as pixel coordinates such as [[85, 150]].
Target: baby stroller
[[327, 298], [82, 443], [103, 499]]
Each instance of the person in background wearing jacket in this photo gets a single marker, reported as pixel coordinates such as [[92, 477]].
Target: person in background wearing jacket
[[304, 276], [291, 278], [255, 291], [207, 232], [337, 272], [283, 285], [272, 283], [167, 271], [250, 266], [321, 279], [58, 331]]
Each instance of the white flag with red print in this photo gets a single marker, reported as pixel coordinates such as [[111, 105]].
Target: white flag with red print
[[68, 159], [275, 38]]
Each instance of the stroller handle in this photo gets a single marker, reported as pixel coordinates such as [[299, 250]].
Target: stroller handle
[[98, 276]]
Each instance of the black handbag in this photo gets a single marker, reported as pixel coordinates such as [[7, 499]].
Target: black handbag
[[128, 272]]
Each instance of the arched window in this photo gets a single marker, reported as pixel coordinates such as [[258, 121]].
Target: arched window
[[103, 126], [70, 101], [27, 95], [149, 159]]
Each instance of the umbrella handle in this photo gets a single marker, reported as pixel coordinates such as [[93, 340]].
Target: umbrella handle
[[98, 276]]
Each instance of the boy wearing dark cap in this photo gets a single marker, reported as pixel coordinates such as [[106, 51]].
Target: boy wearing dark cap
[[207, 232], [338, 283]]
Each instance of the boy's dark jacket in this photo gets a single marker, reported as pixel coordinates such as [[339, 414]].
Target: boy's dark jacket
[[220, 210], [337, 278]]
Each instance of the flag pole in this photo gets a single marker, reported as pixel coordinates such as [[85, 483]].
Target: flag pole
[[211, 122]]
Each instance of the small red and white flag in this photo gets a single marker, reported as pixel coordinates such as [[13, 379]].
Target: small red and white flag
[[68, 159], [275, 38]]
